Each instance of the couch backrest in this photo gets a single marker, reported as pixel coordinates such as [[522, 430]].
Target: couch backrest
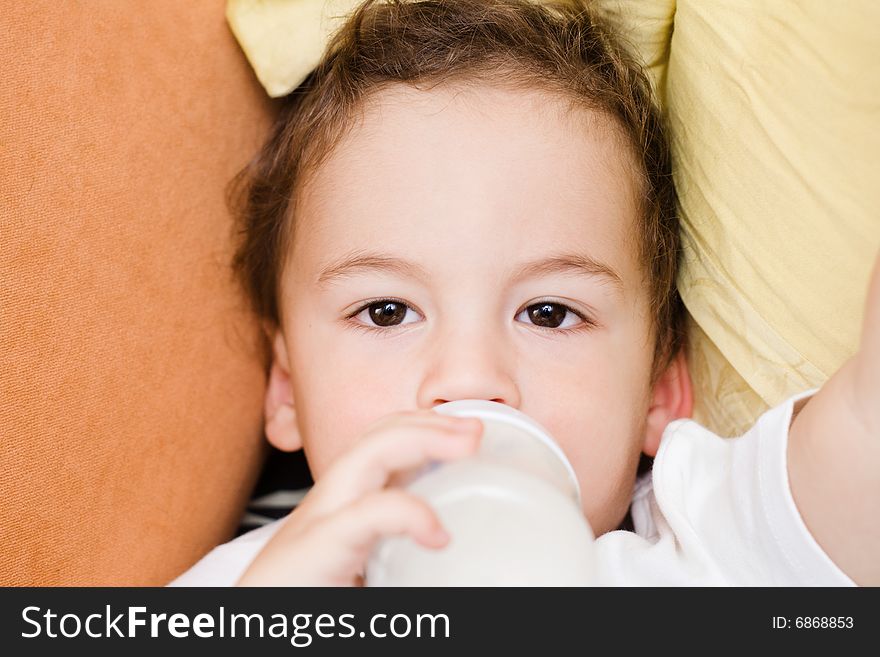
[[131, 386]]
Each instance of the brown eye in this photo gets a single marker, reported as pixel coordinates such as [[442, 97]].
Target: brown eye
[[387, 313], [552, 315], [547, 315]]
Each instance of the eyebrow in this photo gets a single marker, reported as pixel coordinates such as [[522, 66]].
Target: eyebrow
[[571, 264], [360, 261]]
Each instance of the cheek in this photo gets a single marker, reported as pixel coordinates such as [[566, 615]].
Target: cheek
[[599, 421], [599, 427], [337, 394], [606, 456], [604, 453]]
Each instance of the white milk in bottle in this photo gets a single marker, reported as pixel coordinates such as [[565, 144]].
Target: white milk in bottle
[[513, 512]]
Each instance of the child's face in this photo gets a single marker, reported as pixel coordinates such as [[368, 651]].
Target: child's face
[[477, 204]]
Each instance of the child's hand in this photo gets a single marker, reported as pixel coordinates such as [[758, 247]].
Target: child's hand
[[834, 456], [327, 540]]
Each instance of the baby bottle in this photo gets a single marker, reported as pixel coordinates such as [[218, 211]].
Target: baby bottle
[[513, 513]]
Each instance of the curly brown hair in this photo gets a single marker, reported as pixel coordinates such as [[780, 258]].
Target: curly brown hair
[[560, 47]]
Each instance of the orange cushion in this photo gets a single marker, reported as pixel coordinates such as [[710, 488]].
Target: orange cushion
[[131, 387]]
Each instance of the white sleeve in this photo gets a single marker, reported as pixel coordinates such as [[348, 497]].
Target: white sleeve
[[226, 563], [721, 513]]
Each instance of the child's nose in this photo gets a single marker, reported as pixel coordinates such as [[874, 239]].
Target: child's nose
[[469, 366]]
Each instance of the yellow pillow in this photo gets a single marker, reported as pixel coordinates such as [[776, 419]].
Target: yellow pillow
[[285, 39], [774, 110]]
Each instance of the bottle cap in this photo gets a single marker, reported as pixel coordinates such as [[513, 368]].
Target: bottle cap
[[489, 410]]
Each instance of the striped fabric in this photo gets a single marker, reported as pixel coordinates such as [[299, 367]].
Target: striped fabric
[[283, 483]]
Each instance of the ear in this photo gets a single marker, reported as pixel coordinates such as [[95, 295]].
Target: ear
[[672, 398], [281, 427]]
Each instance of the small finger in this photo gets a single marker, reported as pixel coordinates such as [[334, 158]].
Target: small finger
[[356, 528]]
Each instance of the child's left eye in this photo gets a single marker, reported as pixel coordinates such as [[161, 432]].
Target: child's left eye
[[553, 315]]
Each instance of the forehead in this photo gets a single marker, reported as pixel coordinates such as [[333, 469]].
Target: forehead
[[485, 171]]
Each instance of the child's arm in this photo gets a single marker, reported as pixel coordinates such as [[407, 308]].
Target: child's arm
[[327, 540], [834, 456]]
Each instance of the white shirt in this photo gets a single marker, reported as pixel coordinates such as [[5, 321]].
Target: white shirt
[[713, 511]]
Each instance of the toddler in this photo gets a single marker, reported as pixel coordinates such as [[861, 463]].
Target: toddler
[[472, 199]]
